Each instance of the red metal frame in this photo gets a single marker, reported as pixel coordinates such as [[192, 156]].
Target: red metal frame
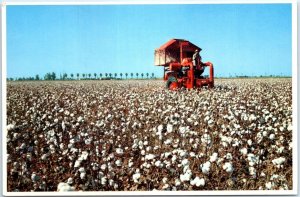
[[188, 81]]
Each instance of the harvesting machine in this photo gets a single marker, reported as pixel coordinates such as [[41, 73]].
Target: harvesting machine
[[176, 58]]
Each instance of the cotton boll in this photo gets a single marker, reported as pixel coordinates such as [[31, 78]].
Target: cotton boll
[[229, 156], [136, 177], [185, 177], [169, 128], [279, 161], [269, 185], [118, 163], [149, 157], [119, 151], [228, 167], [82, 175], [249, 142], [205, 167], [198, 182], [244, 151], [272, 136], [206, 139], [252, 171], [185, 162], [130, 164], [64, 187], [213, 157]]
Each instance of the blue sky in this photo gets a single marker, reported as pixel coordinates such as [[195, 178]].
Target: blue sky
[[239, 39]]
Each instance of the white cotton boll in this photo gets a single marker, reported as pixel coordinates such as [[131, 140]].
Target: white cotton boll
[[34, 177], [213, 157], [252, 171], [44, 157], [274, 176], [206, 138], [64, 187], [281, 128], [167, 154], [118, 163], [160, 128], [82, 175], [244, 151], [174, 158], [185, 162], [183, 153], [290, 145], [80, 119], [146, 143], [192, 154], [290, 127], [119, 151], [130, 164], [185, 177], [229, 156], [169, 128], [269, 185], [249, 142], [205, 167], [280, 149], [136, 177], [198, 182], [228, 167], [143, 152], [164, 180], [168, 141], [55, 120], [81, 170], [278, 161], [111, 182], [103, 180], [77, 163], [177, 182], [158, 164], [272, 136], [149, 157], [252, 159], [265, 133]]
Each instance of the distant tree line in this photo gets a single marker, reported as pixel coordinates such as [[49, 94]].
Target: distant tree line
[[86, 76]]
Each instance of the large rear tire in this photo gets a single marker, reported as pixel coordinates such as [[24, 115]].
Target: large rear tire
[[172, 83]]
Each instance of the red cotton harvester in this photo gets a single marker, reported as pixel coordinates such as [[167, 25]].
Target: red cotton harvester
[[179, 70]]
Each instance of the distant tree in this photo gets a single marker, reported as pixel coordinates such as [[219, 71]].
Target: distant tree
[[100, 75], [152, 75], [65, 76], [131, 74], [37, 77], [147, 74], [137, 75], [106, 75], [95, 75], [90, 75], [126, 74], [116, 74], [142, 75], [78, 76], [121, 74], [110, 75], [53, 76], [72, 75], [83, 75]]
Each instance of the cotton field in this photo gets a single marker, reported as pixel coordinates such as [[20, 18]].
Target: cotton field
[[132, 135]]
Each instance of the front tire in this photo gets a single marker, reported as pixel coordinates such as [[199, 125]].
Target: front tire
[[172, 83]]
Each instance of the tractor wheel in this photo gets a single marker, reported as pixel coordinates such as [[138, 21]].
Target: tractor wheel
[[172, 83]]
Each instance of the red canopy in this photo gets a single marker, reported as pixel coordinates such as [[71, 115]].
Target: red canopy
[[170, 51]]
